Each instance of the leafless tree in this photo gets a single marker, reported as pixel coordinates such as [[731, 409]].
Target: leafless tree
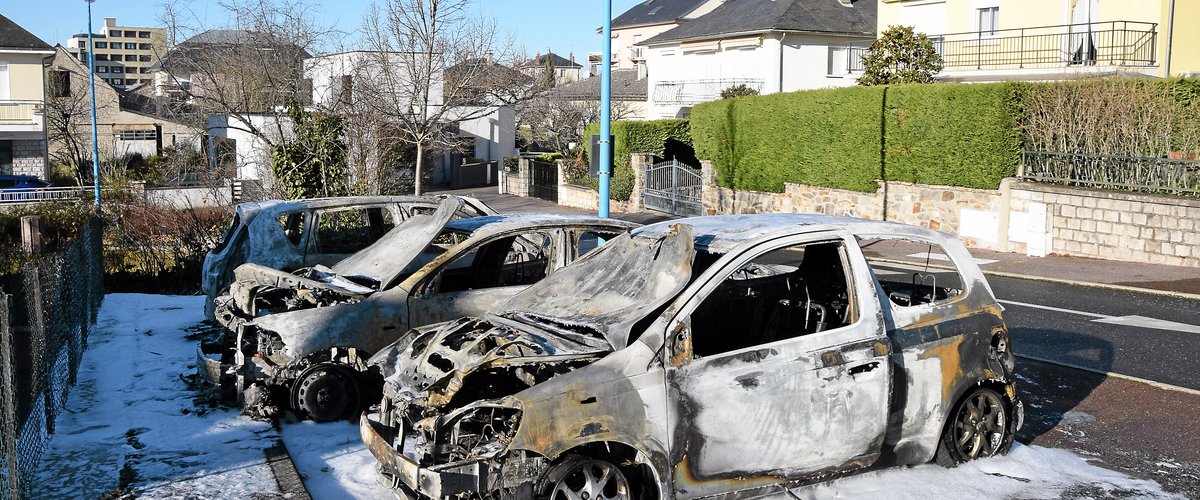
[[558, 120], [433, 63], [68, 112]]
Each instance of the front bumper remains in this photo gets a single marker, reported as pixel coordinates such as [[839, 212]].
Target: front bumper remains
[[415, 481]]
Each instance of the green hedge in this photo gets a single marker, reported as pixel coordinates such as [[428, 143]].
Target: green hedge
[[822, 137], [966, 135], [637, 137]]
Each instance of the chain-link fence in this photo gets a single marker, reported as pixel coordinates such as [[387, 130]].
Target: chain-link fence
[[46, 309]]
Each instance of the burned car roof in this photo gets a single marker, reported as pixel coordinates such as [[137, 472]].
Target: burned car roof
[[723, 233]]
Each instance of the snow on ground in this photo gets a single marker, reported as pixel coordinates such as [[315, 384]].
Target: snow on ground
[[131, 410], [332, 460], [1027, 472]]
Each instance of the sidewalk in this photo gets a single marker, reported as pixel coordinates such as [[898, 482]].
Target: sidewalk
[[1183, 281]]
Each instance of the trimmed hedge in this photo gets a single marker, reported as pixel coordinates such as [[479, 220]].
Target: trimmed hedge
[[822, 138], [965, 135], [637, 137]]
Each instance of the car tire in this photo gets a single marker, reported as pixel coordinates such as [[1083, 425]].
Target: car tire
[[979, 427], [326, 392], [578, 476]]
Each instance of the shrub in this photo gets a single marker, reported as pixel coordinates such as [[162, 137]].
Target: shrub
[[631, 137], [821, 137], [739, 90], [900, 55], [150, 248], [962, 135]]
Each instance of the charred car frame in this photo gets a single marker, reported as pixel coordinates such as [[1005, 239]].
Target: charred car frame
[[705, 357]]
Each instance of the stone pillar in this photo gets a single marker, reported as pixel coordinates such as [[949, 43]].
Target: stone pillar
[[709, 190], [524, 174], [560, 177], [638, 162], [31, 234]]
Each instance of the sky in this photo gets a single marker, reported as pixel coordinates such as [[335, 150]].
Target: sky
[[562, 26]]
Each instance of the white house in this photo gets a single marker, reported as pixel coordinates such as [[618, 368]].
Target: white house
[[252, 154], [642, 22], [768, 45], [335, 76]]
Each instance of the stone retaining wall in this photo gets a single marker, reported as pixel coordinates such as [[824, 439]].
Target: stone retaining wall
[[29, 157]]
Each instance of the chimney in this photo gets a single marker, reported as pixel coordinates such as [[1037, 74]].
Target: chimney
[[572, 56], [489, 57], [110, 22]]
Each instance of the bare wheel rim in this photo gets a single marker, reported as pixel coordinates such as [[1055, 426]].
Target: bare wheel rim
[[591, 480], [326, 392], [979, 426]]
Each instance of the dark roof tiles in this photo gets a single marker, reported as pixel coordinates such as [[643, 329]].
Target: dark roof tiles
[[758, 16], [13, 36]]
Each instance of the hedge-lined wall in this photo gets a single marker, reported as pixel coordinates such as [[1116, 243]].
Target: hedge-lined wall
[[822, 138], [949, 134], [637, 137]]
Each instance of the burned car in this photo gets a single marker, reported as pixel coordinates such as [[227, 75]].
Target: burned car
[[704, 357], [301, 339], [288, 235]]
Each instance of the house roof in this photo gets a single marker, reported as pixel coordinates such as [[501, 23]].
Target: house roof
[[556, 60], [759, 16], [651, 12], [625, 87], [13, 36]]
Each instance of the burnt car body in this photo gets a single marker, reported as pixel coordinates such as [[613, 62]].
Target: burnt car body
[[288, 235], [703, 357], [304, 337]]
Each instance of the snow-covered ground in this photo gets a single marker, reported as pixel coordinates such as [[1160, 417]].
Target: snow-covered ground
[[132, 420]]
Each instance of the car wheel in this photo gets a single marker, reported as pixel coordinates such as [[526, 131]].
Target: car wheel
[[326, 392], [978, 428], [579, 477]]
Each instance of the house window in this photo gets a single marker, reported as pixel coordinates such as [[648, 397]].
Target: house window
[[145, 46], [101, 45], [839, 61], [143, 70], [137, 135], [131, 46], [114, 33], [101, 69], [988, 20], [143, 34]]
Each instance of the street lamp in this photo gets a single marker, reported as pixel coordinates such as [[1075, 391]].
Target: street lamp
[[92, 85], [606, 152]]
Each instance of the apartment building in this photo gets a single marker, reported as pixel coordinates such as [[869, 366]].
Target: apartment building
[[124, 54], [994, 40], [22, 101]]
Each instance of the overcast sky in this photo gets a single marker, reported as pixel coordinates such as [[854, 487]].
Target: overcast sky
[[536, 25]]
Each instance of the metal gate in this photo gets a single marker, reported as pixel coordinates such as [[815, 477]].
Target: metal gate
[[543, 180], [673, 187]]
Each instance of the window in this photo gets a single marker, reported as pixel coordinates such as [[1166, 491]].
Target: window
[[83, 44], [912, 272], [131, 46], [131, 57], [6, 156], [143, 70], [117, 69], [114, 33], [839, 61], [507, 261], [145, 46], [101, 57], [101, 45], [137, 135], [143, 34], [586, 241], [988, 20], [131, 34], [144, 80], [782, 294], [348, 231], [293, 227], [118, 82], [101, 69]]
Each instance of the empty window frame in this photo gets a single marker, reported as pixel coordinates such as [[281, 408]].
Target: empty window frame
[[506, 261], [350, 230], [784, 293], [912, 272]]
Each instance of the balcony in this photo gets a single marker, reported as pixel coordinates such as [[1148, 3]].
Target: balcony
[[689, 92], [1112, 43], [20, 116]]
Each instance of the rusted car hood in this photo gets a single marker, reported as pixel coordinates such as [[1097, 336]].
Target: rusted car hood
[[612, 288]]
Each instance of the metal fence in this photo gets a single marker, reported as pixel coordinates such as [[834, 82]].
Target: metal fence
[[1125, 173], [46, 311], [688, 92]]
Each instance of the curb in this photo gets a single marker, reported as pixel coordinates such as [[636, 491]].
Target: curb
[[284, 470], [1130, 378]]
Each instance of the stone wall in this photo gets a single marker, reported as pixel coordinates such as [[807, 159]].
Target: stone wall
[[1035, 219], [29, 157]]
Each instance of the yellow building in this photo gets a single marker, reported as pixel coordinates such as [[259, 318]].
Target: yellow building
[[22, 101], [991, 40], [124, 54]]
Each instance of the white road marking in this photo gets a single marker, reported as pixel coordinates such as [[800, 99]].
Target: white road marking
[[1055, 309], [1132, 320], [941, 256], [1144, 322]]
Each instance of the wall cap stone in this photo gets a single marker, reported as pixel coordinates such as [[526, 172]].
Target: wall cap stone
[[1159, 199]]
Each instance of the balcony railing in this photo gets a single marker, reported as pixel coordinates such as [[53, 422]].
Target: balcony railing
[[19, 111], [1117, 43], [688, 92]]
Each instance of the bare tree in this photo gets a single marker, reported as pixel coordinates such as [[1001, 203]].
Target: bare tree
[[68, 113], [557, 120], [432, 64]]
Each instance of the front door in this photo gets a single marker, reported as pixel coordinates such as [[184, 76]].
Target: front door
[[779, 370]]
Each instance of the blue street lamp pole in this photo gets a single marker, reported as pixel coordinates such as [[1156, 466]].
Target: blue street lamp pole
[[606, 152], [92, 81]]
